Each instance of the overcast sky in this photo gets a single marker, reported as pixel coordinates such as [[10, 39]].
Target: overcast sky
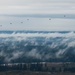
[[37, 6], [42, 7]]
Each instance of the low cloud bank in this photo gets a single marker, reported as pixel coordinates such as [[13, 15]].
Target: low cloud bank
[[32, 47]]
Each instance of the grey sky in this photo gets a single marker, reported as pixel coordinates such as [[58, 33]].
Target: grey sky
[[37, 6], [34, 23], [53, 8]]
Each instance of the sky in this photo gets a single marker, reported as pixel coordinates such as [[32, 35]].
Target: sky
[[37, 7], [38, 12]]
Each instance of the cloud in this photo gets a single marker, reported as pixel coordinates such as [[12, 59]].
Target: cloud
[[37, 7], [13, 56], [34, 54], [31, 35], [38, 46]]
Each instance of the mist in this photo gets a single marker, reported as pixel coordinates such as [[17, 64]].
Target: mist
[[35, 47]]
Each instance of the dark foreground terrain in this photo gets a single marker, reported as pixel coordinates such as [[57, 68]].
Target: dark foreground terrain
[[32, 73], [38, 68]]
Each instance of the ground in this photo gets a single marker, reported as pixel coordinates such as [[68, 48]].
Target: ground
[[32, 73]]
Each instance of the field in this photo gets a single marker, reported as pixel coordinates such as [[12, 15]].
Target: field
[[42, 68], [32, 73]]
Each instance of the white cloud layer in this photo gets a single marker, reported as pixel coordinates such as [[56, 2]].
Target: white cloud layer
[[37, 45]]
